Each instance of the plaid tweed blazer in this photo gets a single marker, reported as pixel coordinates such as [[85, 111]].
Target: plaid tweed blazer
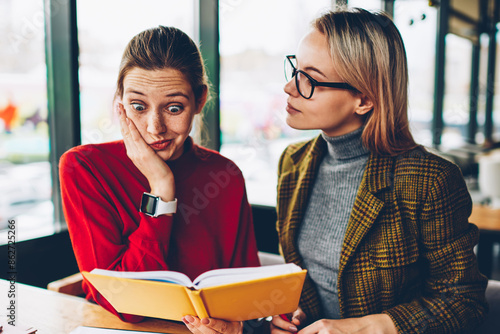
[[408, 247]]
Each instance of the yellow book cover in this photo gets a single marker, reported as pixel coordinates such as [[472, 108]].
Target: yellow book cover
[[233, 294]]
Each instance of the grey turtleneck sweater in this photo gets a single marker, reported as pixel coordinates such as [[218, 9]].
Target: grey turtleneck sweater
[[325, 221]]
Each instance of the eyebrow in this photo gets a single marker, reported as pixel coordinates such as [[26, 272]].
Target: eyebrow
[[314, 69], [128, 91], [173, 94]]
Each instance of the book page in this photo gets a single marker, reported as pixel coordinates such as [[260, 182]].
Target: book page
[[162, 276], [234, 275]]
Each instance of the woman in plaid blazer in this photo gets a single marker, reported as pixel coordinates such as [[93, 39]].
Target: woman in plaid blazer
[[407, 263]]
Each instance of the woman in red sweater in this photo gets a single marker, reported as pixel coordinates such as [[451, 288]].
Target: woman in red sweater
[[155, 200]]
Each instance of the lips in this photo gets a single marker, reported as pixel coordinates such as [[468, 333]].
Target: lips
[[291, 110], [160, 145]]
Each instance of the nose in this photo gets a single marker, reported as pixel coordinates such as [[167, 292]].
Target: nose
[[156, 123], [291, 88]]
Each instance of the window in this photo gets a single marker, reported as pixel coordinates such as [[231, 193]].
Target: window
[[25, 181], [255, 36], [457, 87], [416, 22], [104, 29]]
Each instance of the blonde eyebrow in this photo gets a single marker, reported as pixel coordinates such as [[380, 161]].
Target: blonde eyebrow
[[314, 69]]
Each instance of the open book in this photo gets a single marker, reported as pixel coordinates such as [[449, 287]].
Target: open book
[[233, 294]]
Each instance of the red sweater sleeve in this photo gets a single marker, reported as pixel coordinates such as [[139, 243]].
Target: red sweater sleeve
[[245, 252], [95, 222]]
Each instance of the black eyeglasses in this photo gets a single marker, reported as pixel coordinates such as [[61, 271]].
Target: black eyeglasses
[[305, 83]]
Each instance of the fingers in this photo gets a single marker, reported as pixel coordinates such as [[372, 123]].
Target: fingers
[[131, 135], [282, 325], [136, 135], [124, 125], [322, 325], [221, 326], [276, 330], [298, 317], [195, 326], [136, 146], [211, 326], [217, 325], [123, 119]]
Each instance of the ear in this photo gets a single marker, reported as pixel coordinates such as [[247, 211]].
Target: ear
[[202, 100], [365, 105], [118, 104]]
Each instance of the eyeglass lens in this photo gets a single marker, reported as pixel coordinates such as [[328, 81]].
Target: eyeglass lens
[[289, 70], [304, 85]]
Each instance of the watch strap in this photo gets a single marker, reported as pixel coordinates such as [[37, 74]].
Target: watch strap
[[166, 207]]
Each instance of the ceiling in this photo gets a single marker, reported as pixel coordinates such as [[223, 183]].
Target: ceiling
[[465, 18]]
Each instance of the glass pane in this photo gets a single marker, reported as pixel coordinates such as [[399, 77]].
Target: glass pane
[[25, 180], [416, 22], [255, 37], [483, 86], [104, 29], [457, 90]]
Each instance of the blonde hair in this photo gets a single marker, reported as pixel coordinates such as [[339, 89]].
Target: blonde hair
[[369, 54]]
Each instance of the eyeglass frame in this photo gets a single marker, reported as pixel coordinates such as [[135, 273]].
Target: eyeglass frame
[[314, 82]]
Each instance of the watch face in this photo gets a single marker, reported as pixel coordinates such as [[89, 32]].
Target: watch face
[[148, 204]]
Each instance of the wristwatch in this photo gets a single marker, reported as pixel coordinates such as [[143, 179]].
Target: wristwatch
[[153, 206]]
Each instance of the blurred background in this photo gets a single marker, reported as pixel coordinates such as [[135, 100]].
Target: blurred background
[[59, 62]]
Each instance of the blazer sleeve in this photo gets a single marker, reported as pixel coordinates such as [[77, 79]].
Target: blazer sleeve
[[453, 295], [96, 228]]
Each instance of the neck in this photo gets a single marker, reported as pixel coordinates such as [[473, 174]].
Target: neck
[[347, 146]]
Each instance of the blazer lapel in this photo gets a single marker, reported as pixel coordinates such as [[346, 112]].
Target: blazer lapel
[[378, 176], [303, 175]]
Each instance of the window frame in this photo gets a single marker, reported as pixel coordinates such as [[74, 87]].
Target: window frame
[[61, 54]]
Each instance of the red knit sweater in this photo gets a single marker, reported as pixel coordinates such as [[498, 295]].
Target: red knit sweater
[[101, 191]]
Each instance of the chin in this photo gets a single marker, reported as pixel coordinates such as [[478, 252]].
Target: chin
[[164, 155], [290, 123], [295, 124]]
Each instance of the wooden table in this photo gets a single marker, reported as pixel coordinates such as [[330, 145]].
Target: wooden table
[[56, 313], [488, 222]]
